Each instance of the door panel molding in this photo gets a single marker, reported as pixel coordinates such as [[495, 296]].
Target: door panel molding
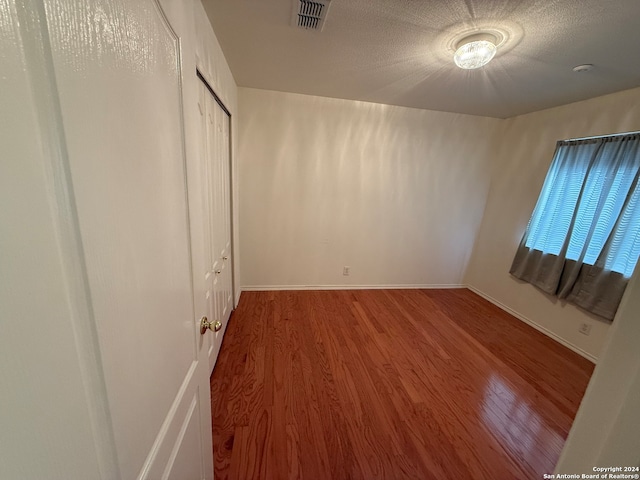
[[39, 62], [171, 427], [179, 443]]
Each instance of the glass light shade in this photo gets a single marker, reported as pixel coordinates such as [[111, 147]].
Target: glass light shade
[[474, 54]]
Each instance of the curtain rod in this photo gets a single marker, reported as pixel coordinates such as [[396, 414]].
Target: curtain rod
[[600, 136]]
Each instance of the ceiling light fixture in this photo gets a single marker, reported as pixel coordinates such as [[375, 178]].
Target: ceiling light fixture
[[475, 51], [587, 67]]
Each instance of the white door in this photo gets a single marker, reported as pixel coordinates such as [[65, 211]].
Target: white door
[[45, 424], [116, 64], [215, 166]]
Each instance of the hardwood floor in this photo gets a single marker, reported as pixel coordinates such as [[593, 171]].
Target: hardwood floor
[[416, 384]]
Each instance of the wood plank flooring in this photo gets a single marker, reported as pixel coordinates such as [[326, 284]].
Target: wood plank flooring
[[367, 384]]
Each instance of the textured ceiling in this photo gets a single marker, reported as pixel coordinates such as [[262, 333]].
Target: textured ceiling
[[399, 52]]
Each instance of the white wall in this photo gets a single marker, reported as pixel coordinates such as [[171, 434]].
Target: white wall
[[605, 431], [522, 154], [395, 193]]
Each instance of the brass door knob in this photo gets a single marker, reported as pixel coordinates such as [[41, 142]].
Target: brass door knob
[[225, 258], [206, 324]]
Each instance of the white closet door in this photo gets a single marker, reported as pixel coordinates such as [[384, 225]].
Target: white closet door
[[216, 123]]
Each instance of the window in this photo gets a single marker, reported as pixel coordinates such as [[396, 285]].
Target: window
[[583, 240]]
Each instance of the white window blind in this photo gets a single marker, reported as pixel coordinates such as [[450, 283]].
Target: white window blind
[[590, 204]]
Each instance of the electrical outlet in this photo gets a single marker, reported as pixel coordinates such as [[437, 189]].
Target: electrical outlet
[[585, 329], [345, 271]]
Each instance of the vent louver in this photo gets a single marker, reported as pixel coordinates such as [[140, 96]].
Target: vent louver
[[309, 14]]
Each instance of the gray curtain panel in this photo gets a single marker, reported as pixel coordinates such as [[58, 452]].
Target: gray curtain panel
[[581, 240]]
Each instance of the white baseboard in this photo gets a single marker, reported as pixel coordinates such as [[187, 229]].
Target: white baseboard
[[254, 288], [535, 325]]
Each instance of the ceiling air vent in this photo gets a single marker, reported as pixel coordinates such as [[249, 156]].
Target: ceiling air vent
[[309, 14]]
